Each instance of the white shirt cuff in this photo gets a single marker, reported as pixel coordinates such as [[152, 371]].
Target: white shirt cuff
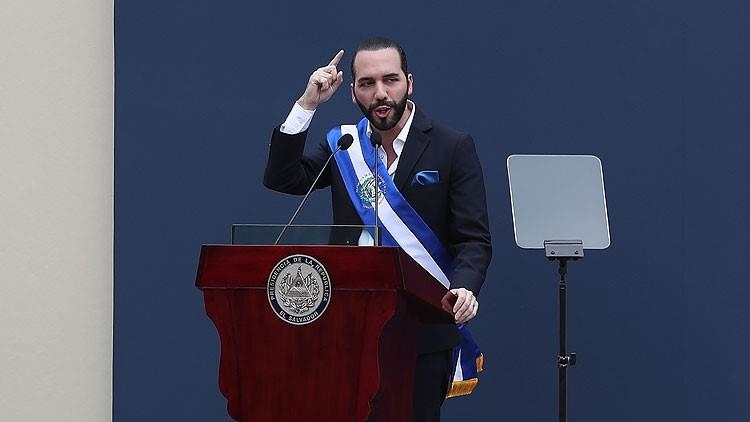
[[298, 120]]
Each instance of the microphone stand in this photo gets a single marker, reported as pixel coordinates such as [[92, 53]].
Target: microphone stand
[[376, 141], [377, 227], [343, 143]]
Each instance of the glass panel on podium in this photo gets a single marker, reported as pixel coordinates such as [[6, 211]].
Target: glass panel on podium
[[271, 234]]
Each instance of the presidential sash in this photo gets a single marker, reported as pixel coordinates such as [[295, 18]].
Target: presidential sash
[[401, 226]]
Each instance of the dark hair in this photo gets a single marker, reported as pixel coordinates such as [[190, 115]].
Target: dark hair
[[380, 43]]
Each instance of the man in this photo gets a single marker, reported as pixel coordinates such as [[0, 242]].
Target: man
[[433, 168]]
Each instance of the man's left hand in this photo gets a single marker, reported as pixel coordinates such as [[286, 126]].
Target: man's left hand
[[466, 305]]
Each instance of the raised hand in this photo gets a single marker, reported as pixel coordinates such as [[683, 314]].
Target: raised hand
[[322, 84]]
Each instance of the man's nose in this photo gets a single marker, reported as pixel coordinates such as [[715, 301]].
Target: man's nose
[[380, 92]]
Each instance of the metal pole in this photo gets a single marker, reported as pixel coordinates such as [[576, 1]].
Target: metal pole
[[562, 358]]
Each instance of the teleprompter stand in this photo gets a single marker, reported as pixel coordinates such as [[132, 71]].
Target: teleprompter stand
[[563, 251], [559, 197]]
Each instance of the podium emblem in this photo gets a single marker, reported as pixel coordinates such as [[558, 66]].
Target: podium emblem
[[299, 289]]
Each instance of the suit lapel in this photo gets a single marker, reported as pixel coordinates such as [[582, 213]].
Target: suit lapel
[[416, 142]]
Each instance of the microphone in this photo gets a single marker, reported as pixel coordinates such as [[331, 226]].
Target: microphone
[[342, 144], [376, 139], [377, 142]]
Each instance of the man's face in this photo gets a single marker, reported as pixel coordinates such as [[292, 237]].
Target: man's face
[[380, 87]]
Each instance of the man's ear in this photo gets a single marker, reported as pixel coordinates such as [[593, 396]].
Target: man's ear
[[410, 81], [354, 99]]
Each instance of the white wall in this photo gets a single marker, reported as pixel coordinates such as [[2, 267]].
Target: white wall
[[56, 184]]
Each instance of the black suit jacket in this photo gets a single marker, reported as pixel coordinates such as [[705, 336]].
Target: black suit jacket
[[454, 208]]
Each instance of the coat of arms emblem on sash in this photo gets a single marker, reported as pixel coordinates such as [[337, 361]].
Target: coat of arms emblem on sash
[[366, 190]]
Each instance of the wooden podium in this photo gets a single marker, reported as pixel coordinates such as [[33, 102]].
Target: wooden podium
[[354, 362]]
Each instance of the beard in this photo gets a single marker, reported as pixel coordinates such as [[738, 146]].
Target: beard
[[386, 123]]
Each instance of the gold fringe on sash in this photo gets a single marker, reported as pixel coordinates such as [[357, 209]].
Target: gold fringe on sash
[[466, 387], [462, 388]]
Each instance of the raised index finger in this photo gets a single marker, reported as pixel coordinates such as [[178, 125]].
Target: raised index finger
[[337, 58]]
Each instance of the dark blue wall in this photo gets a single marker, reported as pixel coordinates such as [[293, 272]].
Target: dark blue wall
[[657, 89]]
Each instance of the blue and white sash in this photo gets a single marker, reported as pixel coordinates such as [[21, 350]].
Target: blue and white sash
[[401, 226]]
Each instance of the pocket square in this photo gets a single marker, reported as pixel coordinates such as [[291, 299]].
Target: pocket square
[[426, 177]]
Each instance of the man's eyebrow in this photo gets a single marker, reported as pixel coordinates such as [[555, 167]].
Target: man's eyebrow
[[370, 78]]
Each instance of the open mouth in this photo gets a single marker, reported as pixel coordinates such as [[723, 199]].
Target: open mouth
[[382, 111]]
